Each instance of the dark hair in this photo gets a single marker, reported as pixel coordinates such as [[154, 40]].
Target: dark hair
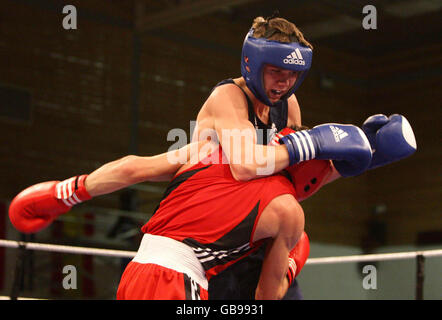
[[278, 29], [299, 128]]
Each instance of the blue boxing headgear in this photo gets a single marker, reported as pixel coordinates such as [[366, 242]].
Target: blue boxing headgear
[[256, 52]]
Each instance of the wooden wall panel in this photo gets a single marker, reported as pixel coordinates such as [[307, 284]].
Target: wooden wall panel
[[79, 82]]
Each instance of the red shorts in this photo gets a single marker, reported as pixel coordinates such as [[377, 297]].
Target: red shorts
[[147, 281], [163, 269]]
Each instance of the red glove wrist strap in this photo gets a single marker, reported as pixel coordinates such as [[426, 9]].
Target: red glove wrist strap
[[72, 191], [291, 272]]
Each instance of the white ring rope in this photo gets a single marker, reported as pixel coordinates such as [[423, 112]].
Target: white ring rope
[[376, 257], [67, 249], [131, 254]]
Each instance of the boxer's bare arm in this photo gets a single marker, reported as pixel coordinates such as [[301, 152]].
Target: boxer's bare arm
[[273, 283], [132, 169], [237, 136], [283, 221]]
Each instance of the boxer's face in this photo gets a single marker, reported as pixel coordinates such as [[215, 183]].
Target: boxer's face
[[277, 81]]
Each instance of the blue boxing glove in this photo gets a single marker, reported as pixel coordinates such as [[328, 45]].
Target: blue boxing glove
[[346, 145], [391, 138]]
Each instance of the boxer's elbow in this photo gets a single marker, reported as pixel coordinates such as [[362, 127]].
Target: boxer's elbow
[[243, 172], [128, 169], [252, 171]]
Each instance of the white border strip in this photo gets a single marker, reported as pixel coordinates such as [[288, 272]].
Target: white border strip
[[131, 254], [20, 298]]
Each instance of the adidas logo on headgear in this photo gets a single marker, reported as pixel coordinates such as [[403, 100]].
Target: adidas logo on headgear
[[338, 133], [295, 58]]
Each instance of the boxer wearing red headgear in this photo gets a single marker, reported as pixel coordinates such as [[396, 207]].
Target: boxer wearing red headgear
[[257, 208], [221, 221], [36, 203]]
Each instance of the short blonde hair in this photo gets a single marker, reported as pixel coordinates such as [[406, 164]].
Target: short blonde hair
[[278, 29]]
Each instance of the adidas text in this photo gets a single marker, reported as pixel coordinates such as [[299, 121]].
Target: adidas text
[[295, 58], [294, 61]]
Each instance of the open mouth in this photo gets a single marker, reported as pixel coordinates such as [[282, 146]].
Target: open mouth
[[276, 94]]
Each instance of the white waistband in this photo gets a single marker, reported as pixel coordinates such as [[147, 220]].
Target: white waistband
[[171, 254]]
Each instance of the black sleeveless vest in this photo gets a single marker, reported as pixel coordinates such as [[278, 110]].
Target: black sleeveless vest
[[278, 117]]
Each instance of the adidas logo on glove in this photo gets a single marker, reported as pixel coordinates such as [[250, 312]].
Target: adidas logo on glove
[[295, 58], [338, 133]]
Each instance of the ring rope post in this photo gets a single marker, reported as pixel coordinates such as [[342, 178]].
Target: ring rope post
[[420, 264], [17, 283]]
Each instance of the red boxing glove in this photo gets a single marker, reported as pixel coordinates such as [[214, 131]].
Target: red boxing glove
[[298, 256], [37, 206], [279, 135]]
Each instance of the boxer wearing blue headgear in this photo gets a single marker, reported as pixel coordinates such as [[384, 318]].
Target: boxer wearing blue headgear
[[237, 105], [259, 52]]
